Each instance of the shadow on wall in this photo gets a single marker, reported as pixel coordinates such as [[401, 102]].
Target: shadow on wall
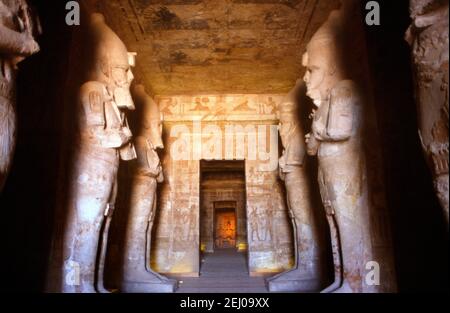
[[419, 231]]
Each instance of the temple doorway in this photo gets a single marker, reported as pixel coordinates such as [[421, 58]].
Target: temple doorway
[[223, 216], [224, 263]]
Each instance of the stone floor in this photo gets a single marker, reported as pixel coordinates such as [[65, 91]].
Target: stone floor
[[224, 271]]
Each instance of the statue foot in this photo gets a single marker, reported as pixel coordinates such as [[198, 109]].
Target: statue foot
[[345, 288], [148, 282], [336, 287], [102, 289], [80, 289], [331, 288], [296, 280], [89, 290]]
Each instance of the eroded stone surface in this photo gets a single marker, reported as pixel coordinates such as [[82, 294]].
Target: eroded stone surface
[[308, 271], [428, 36], [103, 138], [147, 172], [18, 28], [354, 208]]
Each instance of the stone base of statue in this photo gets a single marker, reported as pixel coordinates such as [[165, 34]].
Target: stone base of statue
[[293, 281], [150, 282]]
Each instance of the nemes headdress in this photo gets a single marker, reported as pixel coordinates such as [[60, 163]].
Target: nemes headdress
[[288, 107], [323, 47], [149, 106], [108, 48]]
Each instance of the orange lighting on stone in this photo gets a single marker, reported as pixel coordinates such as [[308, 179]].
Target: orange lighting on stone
[[226, 229]]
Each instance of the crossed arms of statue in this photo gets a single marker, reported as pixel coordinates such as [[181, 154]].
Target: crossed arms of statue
[[336, 120], [104, 123], [294, 152], [147, 159]]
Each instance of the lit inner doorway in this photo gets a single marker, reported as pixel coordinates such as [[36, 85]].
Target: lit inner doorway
[[223, 216], [225, 228]]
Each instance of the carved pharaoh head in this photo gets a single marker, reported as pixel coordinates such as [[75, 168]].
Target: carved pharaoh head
[[151, 116], [112, 62], [322, 60]]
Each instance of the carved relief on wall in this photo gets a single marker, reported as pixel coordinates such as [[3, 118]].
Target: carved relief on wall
[[220, 108], [184, 226], [204, 45], [269, 238], [249, 116], [261, 224], [177, 228]]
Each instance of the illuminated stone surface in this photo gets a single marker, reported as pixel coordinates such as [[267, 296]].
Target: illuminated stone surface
[[103, 138], [188, 122], [359, 234], [224, 74], [219, 46]]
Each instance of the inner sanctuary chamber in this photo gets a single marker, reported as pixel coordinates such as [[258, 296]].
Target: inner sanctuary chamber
[[155, 146]]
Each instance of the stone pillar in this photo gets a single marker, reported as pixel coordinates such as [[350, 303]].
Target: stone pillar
[[147, 172], [363, 256], [428, 37], [306, 276], [103, 138], [18, 27]]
